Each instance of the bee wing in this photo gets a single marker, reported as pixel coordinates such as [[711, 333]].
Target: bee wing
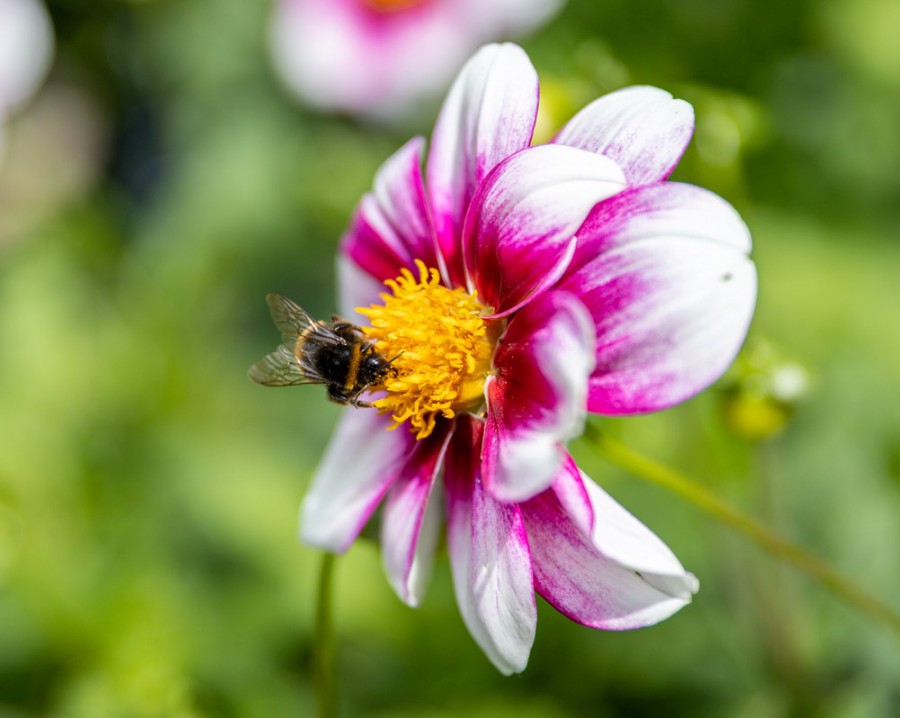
[[292, 320], [280, 368]]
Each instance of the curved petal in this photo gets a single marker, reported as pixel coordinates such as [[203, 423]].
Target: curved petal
[[656, 210], [489, 557], [617, 577], [391, 227], [411, 518], [348, 485], [520, 229], [488, 115], [400, 193], [642, 128], [664, 271], [572, 496], [537, 396]]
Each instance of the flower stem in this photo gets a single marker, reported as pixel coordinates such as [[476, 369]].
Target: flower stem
[[642, 467], [323, 642]]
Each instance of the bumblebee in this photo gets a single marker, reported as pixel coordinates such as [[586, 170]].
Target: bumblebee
[[336, 354]]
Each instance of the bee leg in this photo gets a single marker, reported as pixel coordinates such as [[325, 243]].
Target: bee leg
[[388, 365], [338, 396]]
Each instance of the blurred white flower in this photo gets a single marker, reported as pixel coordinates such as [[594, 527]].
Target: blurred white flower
[[26, 48], [376, 57]]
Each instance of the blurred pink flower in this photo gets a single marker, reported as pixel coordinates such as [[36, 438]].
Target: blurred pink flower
[[26, 48], [376, 57], [529, 285]]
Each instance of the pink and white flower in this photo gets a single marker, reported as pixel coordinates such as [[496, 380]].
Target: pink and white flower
[[26, 48], [376, 57], [555, 280]]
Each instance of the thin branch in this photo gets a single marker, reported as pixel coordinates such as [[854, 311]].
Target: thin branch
[[642, 467]]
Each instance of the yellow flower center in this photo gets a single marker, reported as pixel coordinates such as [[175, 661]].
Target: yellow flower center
[[440, 346], [392, 5]]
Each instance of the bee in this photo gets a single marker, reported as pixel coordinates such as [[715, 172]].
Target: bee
[[336, 354]]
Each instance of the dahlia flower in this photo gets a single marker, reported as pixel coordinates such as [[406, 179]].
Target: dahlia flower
[[26, 47], [517, 288], [376, 57]]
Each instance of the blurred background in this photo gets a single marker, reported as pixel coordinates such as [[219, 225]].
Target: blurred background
[[160, 179]]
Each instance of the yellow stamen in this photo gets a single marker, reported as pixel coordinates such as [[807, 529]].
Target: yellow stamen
[[440, 346]]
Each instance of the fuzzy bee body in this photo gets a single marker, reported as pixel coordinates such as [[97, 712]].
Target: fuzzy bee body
[[336, 354]]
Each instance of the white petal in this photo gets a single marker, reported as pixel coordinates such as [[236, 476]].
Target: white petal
[[643, 129], [361, 462], [411, 519], [488, 115], [658, 210], [664, 271], [620, 576], [520, 229], [684, 333], [490, 559], [621, 537], [537, 395]]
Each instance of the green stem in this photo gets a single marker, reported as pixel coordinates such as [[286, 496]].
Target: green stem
[[642, 467], [323, 642]]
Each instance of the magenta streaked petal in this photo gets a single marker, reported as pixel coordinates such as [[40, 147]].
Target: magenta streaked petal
[[489, 557], [411, 517], [371, 243], [488, 115], [391, 227], [657, 210], [664, 271], [348, 485], [642, 128], [569, 490], [617, 577], [520, 229], [537, 395], [400, 193], [619, 536]]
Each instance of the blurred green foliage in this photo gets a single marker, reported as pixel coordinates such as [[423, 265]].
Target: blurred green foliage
[[148, 491]]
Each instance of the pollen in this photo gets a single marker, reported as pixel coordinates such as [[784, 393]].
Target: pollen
[[439, 345]]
